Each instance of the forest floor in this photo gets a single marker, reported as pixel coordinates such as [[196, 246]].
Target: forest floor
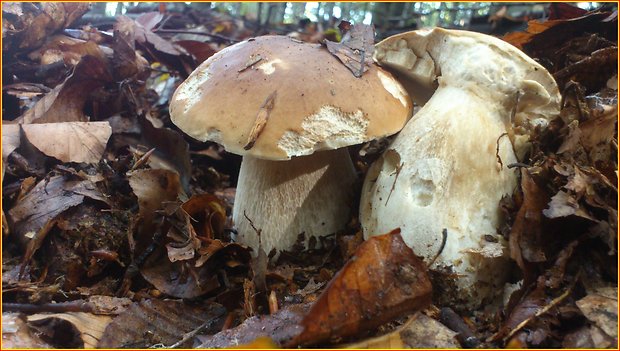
[[120, 236]]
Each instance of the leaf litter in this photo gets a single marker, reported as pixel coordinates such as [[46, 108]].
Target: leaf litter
[[144, 215]]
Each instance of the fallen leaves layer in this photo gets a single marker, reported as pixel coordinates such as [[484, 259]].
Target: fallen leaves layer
[[383, 281], [281, 327], [65, 103], [160, 322], [601, 308], [89, 326], [17, 334], [419, 332], [31, 24]]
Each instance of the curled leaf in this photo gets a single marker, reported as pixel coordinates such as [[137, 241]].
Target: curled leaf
[[383, 281]]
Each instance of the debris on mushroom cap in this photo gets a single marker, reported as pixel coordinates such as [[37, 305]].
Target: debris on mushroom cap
[[318, 104], [442, 178]]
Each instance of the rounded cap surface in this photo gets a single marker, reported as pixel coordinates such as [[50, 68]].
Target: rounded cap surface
[[485, 65], [273, 98]]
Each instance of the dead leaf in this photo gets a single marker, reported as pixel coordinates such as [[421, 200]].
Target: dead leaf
[[34, 24], [525, 241], [90, 326], [561, 205], [144, 36], [152, 322], [281, 327], [171, 150], [201, 51], [149, 20], [384, 281], [66, 101], [10, 140], [45, 201], [153, 187], [68, 50], [16, 334], [70, 141], [601, 308], [356, 48], [419, 332]]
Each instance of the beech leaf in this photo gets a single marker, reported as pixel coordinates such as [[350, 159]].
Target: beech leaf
[[70, 141]]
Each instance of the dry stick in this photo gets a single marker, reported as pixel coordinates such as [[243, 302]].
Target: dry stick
[[191, 334], [142, 160], [544, 310], [273, 302], [398, 169], [444, 238], [453, 321], [499, 159], [60, 307]]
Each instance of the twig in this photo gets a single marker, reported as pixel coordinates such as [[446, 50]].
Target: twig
[[59, 307], [398, 169], [273, 302], [518, 164], [142, 160], [453, 321], [499, 159], [191, 334], [444, 238], [543, 310]]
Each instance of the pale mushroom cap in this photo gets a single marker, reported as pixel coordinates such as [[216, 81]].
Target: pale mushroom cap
[[483, 64], [318, 104]]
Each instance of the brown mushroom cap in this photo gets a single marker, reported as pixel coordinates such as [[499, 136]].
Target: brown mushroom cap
[[317, 102]]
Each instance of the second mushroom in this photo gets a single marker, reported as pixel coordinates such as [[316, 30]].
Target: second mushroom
[[442, 179], [284, 105]]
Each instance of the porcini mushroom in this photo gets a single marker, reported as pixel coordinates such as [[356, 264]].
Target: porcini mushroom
[[283, 105], [446, 172]]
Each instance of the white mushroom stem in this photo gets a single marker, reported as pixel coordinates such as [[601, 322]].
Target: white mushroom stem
[[441, 172], [310, 194]]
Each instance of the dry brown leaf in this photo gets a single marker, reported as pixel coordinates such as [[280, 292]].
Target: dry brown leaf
[[68, 50], [33, 24], [11, 140], [153, 187], [526, 233], [144, 36], [385, 280], [34, 215], [90, 326], [16, 334], [281, 327], [601, 308], [151, 322], [201, 51], [563, 205], [356, 48], [419, 332], [66, 101], [171, 150], [70, 141]]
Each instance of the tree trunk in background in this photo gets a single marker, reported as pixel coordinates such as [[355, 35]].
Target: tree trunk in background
[[379, 15], [327, 14]]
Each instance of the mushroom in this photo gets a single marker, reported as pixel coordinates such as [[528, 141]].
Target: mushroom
[[442, 178], [290, 109]]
